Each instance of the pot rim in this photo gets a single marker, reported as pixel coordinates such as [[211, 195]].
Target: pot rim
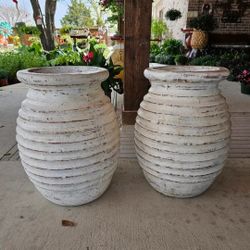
[[60, 70], [62, 75], [176, 72]]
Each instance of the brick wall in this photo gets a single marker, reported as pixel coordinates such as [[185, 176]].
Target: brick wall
[[195, 7]]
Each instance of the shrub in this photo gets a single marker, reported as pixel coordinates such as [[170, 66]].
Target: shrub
[[207, 60], [172, 47], [3, 74], [181, 60], [234, 60], [158, 28], [10, 61], [13, 61]]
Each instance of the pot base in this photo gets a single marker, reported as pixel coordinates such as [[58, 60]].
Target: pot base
[[178, 190], [75, 198]]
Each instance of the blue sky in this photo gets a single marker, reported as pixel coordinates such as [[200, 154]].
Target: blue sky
[[61, 9]]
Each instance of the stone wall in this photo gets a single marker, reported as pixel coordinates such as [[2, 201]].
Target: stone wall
[[160, 7]]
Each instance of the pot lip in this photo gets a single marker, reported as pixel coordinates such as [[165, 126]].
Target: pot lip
[[177, 72], [62, 70], [62, 75]]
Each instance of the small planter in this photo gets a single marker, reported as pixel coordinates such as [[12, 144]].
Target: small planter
[[67, 133], [25, 39], [199, 39], [3, 82], [245, 89], [182, 129]]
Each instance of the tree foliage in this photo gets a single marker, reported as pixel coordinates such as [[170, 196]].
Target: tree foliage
[[78, 15]]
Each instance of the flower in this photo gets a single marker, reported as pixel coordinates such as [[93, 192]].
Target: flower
[[88, 57], [244, 77]]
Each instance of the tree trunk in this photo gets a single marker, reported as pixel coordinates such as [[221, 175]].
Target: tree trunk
[[47, 28]]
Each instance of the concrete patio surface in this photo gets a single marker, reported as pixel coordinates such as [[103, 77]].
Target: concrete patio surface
[[129, 216]]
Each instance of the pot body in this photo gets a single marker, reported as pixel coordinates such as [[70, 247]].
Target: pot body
[[182, 129], [67, 133]]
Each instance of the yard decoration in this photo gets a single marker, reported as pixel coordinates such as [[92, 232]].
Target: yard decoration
[[5, 31], [67, 133], [182, 130]]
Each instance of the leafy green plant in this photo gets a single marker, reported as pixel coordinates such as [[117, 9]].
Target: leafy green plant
[[203, 22], [23, 29], [65, 29], [31, 59], [173, 14], [207, 60], [181, 60], [22, 58], [236, 61], [158, 28], [3, 74], [172, 47], [10, 61], [95, 57], [64, 56], [166, 52], [165, 59]]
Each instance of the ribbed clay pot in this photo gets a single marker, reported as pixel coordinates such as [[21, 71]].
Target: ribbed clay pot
[[67, 133], [182, 129]]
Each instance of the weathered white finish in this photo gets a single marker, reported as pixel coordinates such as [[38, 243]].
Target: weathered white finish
[[67, 133], [182, 129]]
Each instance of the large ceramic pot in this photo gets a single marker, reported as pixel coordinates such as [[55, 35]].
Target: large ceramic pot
[[67, 133], [182, 129]]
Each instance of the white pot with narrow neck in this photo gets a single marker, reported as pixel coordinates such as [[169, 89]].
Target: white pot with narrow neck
[[182, 130], [67, 133]]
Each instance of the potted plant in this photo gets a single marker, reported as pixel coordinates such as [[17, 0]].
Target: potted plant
[[201, 25], [181, 60], [244, 78], [173, 14], [3, 77]]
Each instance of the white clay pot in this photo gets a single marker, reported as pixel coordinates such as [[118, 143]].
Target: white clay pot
[[67, 133], [182, 130]]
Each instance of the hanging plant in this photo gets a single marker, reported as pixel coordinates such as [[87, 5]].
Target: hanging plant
[[173, 14]]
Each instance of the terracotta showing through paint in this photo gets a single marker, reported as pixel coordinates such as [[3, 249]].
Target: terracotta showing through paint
[[182, 130], [67, 133]]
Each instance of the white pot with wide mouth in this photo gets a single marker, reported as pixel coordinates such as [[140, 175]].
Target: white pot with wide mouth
[[182, 130], [67, 133]]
